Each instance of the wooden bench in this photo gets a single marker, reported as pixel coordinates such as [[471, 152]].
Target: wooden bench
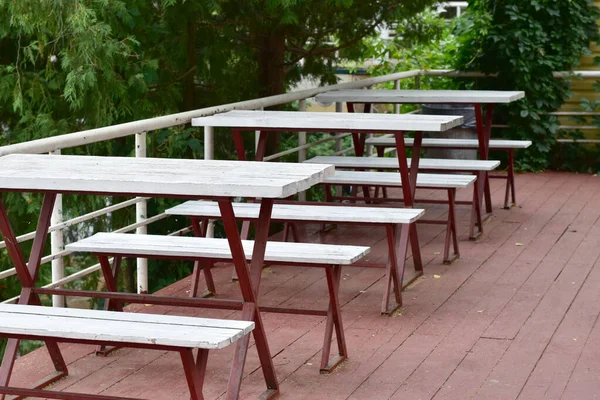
[[448, 182], [200, 211], [476, 167], [425, 164], [329, 257], [157, 332], [383, 142]]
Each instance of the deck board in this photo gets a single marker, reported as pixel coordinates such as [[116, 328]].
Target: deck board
[[500, 323]]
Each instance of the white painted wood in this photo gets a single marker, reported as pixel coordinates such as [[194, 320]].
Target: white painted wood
[[198, 247], [121, 327], [438, 181], [141, 214], [420, 96], [326, 121], [392, 163], [158, 176], [299, 212], [498, 144]]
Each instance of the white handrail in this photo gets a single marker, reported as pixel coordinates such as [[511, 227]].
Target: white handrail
[[146, 125]]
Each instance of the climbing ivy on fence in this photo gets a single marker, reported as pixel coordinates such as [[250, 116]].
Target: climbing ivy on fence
[[524, 42]]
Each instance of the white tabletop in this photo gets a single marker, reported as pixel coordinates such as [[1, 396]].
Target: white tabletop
[[157, 176], [330, 121], [420, 96]]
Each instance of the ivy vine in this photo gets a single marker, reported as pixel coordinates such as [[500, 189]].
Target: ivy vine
[[523, 42]]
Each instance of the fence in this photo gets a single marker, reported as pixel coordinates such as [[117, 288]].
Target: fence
[[53, 145]]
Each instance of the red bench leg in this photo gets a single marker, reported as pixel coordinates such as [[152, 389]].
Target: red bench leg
[[510, 182], [195, 371], [476, 218], [111, 275], [293, 228], [397, 250], [451, 235], [334, 320], [200, 229]]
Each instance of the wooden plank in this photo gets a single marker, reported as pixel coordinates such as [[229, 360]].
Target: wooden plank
[[157, 176], [558, 366], [498, 144], [393, 179], [506, 381], [330, 121], [245, 326], [312, 213], [105, 326], [420, 96], [218, 249], [584, 382], [392, 163], [492, 264]]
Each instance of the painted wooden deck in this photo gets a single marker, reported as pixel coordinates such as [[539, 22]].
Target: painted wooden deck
[[515, 318]]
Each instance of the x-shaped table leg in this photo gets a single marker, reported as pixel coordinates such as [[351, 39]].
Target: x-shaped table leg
[[28, 274], [249, 281]]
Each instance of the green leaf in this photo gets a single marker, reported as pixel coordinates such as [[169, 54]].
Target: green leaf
[[195, 144]]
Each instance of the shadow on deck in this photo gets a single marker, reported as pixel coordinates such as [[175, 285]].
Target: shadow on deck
[[516, 317]]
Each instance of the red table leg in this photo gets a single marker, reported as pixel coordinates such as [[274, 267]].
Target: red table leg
[[240, 150], [408, 190], [249, 281], [200, 228], [484, 130], [28, 274], [194, 371], [358, 141]]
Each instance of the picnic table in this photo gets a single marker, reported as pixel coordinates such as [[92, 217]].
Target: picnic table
[[358, 124], [151, 177], [477, 98]]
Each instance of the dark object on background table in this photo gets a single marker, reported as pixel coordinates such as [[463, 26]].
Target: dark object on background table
[[466, 131]]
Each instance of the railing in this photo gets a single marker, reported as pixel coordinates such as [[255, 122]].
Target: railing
[[53, 145]]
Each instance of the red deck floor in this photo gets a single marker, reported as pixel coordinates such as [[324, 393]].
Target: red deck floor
[[515, 318]]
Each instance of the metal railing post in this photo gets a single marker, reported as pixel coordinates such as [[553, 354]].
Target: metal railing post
[[397, 87], [141, 214], [57, 244], [301, 142], [209, 154]]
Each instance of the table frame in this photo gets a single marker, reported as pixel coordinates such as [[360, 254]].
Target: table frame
[[400, 241], [249, 281], [484, 130]]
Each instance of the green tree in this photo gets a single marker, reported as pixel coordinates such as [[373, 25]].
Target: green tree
[[523, 42]]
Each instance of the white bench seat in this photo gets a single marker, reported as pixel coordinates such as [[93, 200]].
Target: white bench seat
[[120, 327], [290, 214], [392, 179], [495, 144], [192, 248], [392, 163], [207, 250], [309, 213], [509, 146]]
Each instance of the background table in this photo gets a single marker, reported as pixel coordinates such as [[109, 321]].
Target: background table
[[358, 124], [477, 98], [152, 177]]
